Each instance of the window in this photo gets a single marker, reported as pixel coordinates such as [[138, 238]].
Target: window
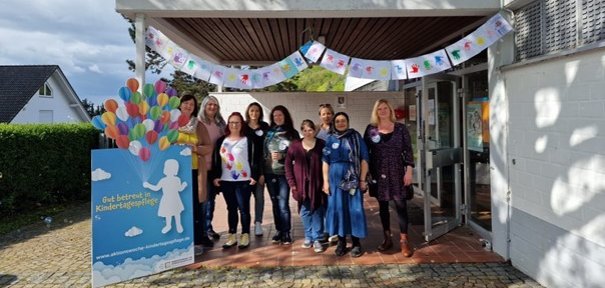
[[45, 90]]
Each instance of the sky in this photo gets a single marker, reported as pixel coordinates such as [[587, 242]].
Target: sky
[[88, 39]]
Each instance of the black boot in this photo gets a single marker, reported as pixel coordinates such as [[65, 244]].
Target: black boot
[[341, 247]]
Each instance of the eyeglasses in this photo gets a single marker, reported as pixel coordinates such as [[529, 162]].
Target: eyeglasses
[[235, 123]]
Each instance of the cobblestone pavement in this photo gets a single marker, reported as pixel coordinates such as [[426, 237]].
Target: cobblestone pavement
[[58, 255]]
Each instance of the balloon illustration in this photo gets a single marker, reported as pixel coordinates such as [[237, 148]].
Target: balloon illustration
[[132, 84], [110, 105], [109, 118], [160, 86], [144, 154], [125, 93], [135, 147], [137, 120], [98, 122]]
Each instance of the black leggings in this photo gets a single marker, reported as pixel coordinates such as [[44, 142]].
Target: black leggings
[[402, 214]]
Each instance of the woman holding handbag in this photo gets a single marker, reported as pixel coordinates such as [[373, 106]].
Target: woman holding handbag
[[388, 143]]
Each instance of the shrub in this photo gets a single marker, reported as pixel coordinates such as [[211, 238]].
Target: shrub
[[44, 164]]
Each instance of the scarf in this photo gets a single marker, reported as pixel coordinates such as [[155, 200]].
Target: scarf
[[190, 127], [351, 179]]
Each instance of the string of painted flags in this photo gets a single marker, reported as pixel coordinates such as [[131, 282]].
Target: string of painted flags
[[484, 36]]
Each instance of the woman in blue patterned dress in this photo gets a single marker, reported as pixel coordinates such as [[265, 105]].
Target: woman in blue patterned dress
[[391, 165], [345, 165]]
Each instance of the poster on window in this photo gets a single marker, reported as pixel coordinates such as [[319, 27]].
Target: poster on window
[[142, 220], [474, 126]]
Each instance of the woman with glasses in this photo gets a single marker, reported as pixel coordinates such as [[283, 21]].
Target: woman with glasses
[[345, 165], [257, 130], [235, 172], [278, 139], [212, 119], [391, 167], [303, 171]]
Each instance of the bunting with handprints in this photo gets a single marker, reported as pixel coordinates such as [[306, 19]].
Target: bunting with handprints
[[464, 49], [313, 50], [427, 64], [398, 70], [480, 39], [217, 76], [204, 70], [370, 69], [335, 61]]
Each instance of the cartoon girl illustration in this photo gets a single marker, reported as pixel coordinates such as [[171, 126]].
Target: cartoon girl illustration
[[170, 204]]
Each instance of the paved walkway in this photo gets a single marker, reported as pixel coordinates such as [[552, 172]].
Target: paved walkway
[[58, 255]]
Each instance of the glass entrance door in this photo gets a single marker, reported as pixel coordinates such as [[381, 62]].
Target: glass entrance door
[[441, 155]]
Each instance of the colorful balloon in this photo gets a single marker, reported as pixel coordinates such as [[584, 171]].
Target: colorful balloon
[[151, 137], [148, 90], [163, 143], [132, 84], [149, 124], [158, 126], [109, 118], [162, 99], [139, 130], [110, 105], [174, 114], [122, 141], [173, 125], [144, 154], [125, 93], [171, 91], [112, 132], [123, 128], [152, 101], [135, 98], [172, 135], [155, 112], [98, 122], [143, 108], [160, 86], [135, 147], [183, 120], [132, 109], [174, 102], [122, 113], [165, 118]]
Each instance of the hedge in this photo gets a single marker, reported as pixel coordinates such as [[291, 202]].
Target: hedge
[[44, 164]]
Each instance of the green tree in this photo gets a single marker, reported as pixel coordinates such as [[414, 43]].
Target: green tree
[[318, 79]]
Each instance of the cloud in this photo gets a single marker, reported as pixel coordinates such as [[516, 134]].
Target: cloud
[[186, 152], [95, 68], [99, 175], [133, 231]]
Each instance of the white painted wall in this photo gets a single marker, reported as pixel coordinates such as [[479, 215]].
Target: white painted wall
[[59, 104], [556, 137], [306, 105]]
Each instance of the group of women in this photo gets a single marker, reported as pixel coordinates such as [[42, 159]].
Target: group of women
[[327, 173]]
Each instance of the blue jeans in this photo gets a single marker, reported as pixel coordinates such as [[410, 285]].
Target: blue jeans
[[313, 221], [209, 205], [259, 202], [279, 191], [237, 196]]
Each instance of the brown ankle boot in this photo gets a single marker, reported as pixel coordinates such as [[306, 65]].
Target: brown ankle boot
[[405, 246], [387, 243]]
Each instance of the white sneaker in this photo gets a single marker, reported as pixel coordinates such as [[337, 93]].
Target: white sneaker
[[258, 229], [307, 244], [333, 239]]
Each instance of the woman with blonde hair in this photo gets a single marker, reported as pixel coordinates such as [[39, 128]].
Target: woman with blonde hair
[[391, 163], [210, 116]]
